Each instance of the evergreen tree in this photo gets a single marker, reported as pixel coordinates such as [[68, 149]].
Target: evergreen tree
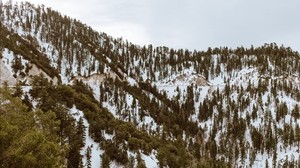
[[81, 132], [23, 142], [140, 161], [105, 161], [88, 155], [17, 64], [18, 90]]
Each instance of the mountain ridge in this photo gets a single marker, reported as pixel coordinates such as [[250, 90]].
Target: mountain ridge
[[247, 95]]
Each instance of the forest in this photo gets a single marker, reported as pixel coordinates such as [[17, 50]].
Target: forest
[[221, 107]]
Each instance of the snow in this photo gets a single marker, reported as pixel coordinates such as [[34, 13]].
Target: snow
[[150, 161], [63, 75], [131, 81], [217, 81], [8, 59], [89, 142], [111, 108], [176, 79]]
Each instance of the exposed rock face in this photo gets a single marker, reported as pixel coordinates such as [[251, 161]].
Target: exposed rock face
[[6, 75], [201, 81], [96, 78], [35, 71], [196, 79]]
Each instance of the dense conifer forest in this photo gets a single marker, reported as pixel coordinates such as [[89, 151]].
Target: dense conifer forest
[[73, 97]]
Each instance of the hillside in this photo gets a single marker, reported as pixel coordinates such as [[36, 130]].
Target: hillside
[[107, 102]]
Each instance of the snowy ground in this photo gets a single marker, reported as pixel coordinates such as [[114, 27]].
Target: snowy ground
[[89, 142], [150, 161]]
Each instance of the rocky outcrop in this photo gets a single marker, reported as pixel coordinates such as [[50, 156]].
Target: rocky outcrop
[[6, 75], [35, 71]]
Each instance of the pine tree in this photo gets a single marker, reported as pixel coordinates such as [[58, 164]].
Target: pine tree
[[24, 143], [292, 136], [105, 161], [140, 161], [81, 132], [267, 164], [26, 101], [131, 162], [88, 155], [17, 64], [296, 112], [297, 135], [274, 157]]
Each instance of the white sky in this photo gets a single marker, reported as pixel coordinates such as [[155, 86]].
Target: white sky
[[191, 24]]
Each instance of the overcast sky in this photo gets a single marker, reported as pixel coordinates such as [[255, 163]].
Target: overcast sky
[[191, 24]]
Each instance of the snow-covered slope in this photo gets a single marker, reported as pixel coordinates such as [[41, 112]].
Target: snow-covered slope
[[89, 142], [218, 107]]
